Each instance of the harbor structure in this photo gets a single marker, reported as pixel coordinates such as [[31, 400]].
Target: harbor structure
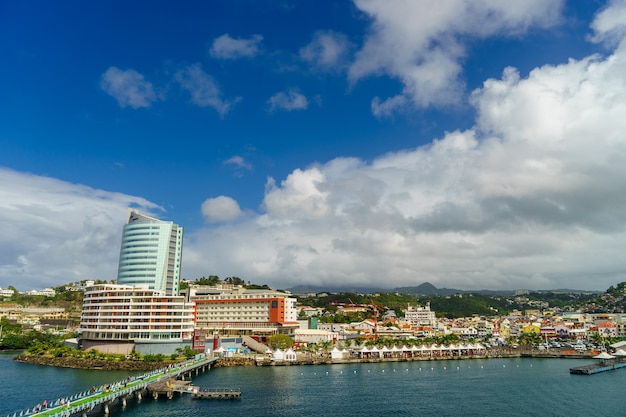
[[119, 318], [607, 362], [161, 382], [151, 253]]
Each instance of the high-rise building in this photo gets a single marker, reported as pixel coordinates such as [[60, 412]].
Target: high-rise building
[[151, 253]]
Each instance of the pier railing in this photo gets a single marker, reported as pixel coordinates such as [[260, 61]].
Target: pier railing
[[106, 394]]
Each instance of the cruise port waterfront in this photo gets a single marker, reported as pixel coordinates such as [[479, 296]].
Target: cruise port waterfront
[[473, 387]]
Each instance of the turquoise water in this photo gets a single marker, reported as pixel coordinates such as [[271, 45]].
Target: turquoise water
[[495, 387]]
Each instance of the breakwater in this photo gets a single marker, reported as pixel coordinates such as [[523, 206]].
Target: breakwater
[[84, 363]]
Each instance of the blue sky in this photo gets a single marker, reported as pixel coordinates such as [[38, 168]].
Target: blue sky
[[471, 144]]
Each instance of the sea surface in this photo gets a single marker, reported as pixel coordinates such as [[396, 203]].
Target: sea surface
[[475, 387]]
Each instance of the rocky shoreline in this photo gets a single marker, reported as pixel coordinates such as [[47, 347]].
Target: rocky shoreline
[[82, 363], [117, 365]]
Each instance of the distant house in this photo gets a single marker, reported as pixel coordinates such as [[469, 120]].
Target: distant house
[[366, 324], [562, 331], [607, 329], [6, 293], [46, 292], [532, 329], [548, 332]]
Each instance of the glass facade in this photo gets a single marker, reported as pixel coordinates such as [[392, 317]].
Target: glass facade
[[151, 253]]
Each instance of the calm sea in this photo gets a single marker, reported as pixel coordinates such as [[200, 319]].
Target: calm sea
[[494, 387]]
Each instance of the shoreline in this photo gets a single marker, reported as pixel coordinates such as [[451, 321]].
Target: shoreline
[[128, 365], [329, 361], [90, 364]]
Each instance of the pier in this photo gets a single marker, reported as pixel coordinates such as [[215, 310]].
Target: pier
[[169, 387], [595, 368], [120, 392], [607, 363]]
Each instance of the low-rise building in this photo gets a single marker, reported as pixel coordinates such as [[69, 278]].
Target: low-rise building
[[308, 336], [6, 292], [46, 292]]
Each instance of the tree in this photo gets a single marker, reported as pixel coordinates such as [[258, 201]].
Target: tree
[[12, 341], [235, 281], [280, 341], [8, 327]]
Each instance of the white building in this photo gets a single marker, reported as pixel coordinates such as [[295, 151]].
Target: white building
[[151, 253], [118, 318], [420, 316], [6, 293], [307, 336], [46, 292]]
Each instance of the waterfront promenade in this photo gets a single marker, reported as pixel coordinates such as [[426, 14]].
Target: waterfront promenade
[[117, 391]]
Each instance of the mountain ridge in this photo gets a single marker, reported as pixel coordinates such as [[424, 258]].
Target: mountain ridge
[[424, 289]]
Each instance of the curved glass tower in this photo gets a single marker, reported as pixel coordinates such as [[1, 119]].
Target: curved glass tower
[[151, 253]]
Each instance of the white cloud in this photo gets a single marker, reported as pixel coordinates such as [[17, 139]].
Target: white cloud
[[387, 107], [204, 90], [531, 197], [220, 209], [55, 232], [225, 47], [610, 24], [238, 162], [128, 87], [421, 43], [328, 51], [290, 100]]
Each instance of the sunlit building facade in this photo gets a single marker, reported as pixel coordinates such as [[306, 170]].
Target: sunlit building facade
[[233, 310], [120, 318], [151, 253]]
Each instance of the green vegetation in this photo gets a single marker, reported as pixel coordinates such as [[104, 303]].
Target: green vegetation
[[213, 280], [280, 341], [464, 305]]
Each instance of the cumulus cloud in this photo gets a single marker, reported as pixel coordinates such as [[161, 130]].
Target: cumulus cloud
[[204, 90], [128, 87], [533, 196], [56, 232], [225, 47], [328, 51], [421, 43], [290, 100], [220, 209]]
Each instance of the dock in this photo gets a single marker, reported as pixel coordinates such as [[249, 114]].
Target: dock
[[170, 387], [217, 394], [596, 368], [98, 401]]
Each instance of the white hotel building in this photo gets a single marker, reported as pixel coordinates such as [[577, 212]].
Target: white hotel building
[[120, 318]]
